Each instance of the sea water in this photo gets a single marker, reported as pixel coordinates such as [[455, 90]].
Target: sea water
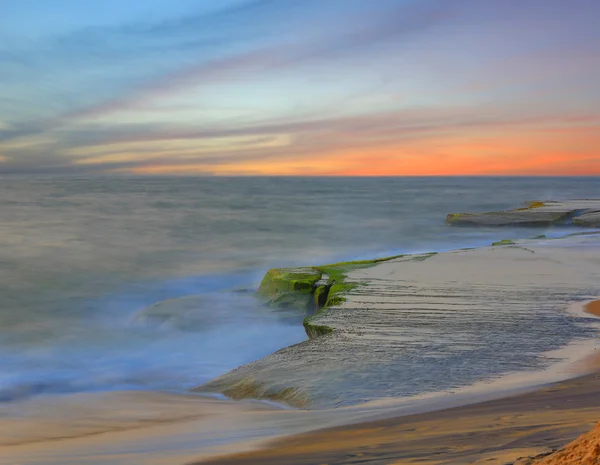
[[110, 283]]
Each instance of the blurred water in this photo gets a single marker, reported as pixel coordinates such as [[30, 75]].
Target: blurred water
[[80, 258]]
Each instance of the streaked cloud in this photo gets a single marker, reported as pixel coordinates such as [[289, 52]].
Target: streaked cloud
[[341, 87]]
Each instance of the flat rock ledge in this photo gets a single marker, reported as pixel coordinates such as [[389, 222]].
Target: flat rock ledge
[[362, 336], [311, 289], [584, 213]]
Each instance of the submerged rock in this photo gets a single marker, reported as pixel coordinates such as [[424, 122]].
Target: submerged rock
[[290, 287], [534, 214], [504, 242], [206, 312], [189, 312]]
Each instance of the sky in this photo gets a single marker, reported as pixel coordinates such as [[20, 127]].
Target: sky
[[290, 87]]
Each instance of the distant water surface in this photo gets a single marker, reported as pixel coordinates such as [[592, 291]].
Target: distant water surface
[[144, 283]]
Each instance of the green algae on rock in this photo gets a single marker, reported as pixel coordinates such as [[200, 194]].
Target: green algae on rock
[[320, 296], [311, 288], [289, 287], [340, 270], [315, 330], [332, 294], [504, 242], [331, 288], [337, 291], [279, 280], [248, 388], [319, 288]]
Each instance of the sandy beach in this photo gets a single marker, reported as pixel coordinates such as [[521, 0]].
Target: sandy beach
[[496, 432]]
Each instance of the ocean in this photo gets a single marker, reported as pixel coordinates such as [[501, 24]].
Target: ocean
[[146, 283]]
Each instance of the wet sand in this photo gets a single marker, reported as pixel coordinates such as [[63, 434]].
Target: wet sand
[[494, 433]]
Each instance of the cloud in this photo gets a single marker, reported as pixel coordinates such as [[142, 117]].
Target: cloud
[[87, 66], [127, 67], [295, 85], [391, 23], [297, 143]]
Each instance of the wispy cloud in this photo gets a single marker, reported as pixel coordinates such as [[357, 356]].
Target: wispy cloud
[[278, 143], [283, 87]]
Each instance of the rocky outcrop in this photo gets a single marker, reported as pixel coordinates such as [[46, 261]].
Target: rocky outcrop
[[504, 242], [311, 288], [377, 315], [577, 212], [290, 287]]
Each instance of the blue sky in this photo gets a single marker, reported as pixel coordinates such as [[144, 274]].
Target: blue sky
[[300, 87]]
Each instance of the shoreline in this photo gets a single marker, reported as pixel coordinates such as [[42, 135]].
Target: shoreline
[[127, 428], [214, 429], [495, 432]]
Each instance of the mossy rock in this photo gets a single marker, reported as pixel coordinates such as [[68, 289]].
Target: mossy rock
[[456, 217], [312, 288], [314, 330], [504, 242], [336, 293], [289, 287], [320, 296], [248, 388], [280, 280], [339, 271]]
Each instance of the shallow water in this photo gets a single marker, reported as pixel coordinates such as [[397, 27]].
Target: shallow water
[[82, 259]]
